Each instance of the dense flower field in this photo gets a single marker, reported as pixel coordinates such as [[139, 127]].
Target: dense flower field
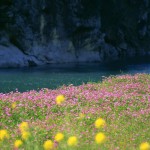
[[111, 115]]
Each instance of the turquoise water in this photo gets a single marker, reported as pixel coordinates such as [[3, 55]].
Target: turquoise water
[[53, 76]]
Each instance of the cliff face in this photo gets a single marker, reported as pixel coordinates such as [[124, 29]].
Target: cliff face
[[50, 31]]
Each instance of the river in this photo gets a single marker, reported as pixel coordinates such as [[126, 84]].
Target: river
[[55, 75]]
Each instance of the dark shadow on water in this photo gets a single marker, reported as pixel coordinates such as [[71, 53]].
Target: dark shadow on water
[[55, 75]]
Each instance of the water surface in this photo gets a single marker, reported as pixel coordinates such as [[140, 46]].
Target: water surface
[[56, 75]]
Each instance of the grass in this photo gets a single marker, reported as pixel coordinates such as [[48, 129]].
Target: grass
[[122, 101]]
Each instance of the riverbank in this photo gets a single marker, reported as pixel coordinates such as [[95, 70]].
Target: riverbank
[[43, 56], [122, 101]]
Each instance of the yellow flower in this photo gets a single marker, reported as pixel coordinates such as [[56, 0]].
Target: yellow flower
[[18, 143], [72, 141], [100, 138], [48, 145], [25, 135], [13, 105], [60, 99], [59, 137], [3, 135], [100, 123], [145, 146], [81, 116], [24, 127]]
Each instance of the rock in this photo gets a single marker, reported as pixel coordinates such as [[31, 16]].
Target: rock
[[11, 56], [88, 56], [43, 32]]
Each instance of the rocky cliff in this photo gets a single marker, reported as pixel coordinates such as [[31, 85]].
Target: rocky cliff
[[34, 32]]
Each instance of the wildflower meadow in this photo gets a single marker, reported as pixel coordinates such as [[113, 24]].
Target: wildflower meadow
[[110, 115]]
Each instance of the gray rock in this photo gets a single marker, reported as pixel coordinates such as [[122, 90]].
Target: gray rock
[[11, 56], [60, 31]]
